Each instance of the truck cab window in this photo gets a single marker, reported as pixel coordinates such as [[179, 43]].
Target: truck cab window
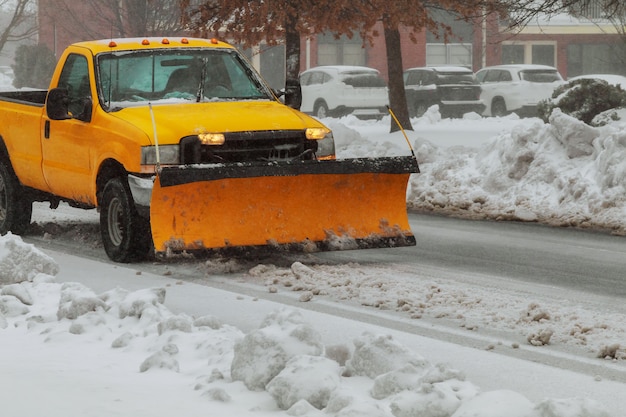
[[75, 78], [135, 78]]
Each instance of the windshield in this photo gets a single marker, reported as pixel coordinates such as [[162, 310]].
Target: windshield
[[132, 78], [540, 76], [456, 78], [363, 79]]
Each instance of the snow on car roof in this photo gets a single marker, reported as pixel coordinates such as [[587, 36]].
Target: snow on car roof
[[522, 67], [343, 69], [443, 68]]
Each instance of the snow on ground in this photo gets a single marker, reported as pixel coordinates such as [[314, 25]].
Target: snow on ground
[[122, 352]]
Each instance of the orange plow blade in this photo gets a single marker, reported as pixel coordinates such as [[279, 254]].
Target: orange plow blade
[[300, 205]]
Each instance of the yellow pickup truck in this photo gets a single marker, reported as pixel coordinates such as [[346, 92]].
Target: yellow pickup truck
[[182, 146]]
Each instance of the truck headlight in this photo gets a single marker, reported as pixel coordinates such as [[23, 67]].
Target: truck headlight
[[212, 138], [316, 133], [168, 155], [326, 147]]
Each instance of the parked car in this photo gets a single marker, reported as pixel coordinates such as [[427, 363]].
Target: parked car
[[338, 90], [454, 89], [517, 88]]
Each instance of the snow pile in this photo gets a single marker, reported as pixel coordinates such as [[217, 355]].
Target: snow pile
[[283, 365], [6, 82], [564, 173]]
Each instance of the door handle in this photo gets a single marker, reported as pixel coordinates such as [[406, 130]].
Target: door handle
[[46, 129]]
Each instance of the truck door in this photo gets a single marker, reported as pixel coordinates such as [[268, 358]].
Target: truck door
[[66, 143]]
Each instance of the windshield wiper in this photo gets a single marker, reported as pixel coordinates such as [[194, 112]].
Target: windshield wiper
[[200, 93]]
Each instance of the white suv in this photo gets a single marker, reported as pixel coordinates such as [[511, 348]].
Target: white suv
[[516, 88], [337, 90]]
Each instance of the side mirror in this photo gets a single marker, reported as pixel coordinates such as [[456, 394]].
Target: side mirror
[[57, 104], [293, 93]]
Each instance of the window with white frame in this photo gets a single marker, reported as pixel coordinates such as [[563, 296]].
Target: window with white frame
[[543, 53], [596, 58], [449, 48], [449, 54], [342, 51]]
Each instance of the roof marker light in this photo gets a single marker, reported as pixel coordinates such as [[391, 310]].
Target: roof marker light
[[214, 41], [165, 41], [145, 42], [112, 44], [184, 41]]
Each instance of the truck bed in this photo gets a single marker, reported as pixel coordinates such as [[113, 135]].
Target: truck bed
[[32, 97]]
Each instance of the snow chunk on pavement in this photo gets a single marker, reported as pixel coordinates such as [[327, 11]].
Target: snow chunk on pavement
[[496, 404], [77, 300], [437, 400], [18, 291], [377, 354], [136, 303], [21, 262], [310, 378], [575, 407], [11, 306], [262, 354], [163, 359]]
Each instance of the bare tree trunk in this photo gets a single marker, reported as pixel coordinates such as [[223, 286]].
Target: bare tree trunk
[[292, 58], [397, 95], [292, 49]]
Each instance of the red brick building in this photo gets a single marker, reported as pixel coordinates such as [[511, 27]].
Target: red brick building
[[574, 46]]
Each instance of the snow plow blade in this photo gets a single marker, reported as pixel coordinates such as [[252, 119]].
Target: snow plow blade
[[297, 205]]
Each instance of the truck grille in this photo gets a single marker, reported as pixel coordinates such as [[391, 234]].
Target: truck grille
[[271, 145]]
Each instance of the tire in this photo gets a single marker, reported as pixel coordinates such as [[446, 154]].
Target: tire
[[320, 110], [125, 234], [498, 108], [15, 209]]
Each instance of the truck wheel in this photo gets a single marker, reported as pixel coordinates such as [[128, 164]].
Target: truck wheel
[[125, 234], [15, 210]]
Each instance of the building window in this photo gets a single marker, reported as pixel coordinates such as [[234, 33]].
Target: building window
[[512, 54], [457, 48], [269, 60], [595, 58], [543, 53], [449, 54], [342, 51]]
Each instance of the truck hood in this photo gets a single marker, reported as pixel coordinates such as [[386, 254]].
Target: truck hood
[[177, 120]]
